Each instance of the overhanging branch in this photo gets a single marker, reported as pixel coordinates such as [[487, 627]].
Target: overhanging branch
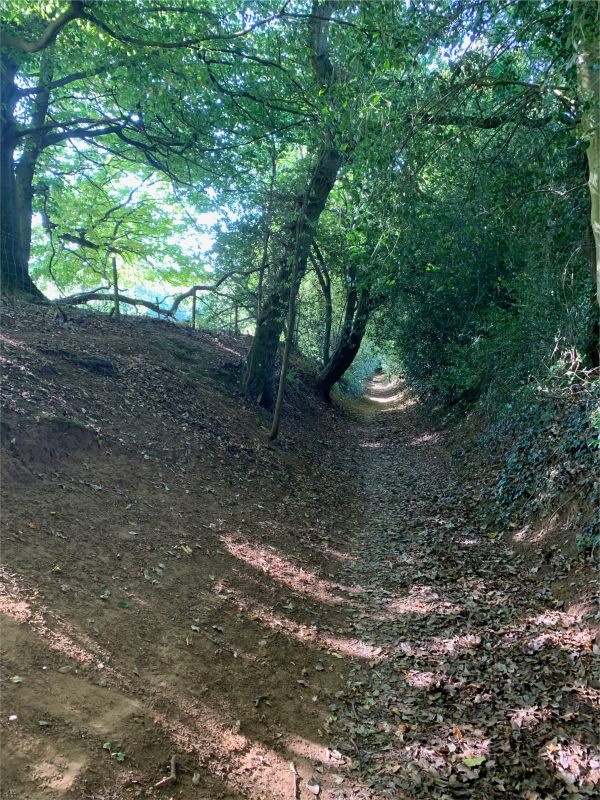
[[74, 11]]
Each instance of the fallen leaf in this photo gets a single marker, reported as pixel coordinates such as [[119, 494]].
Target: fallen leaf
[[473, 761]]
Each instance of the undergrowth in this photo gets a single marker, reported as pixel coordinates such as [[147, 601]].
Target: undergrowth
[[550, 442], [546, 445]]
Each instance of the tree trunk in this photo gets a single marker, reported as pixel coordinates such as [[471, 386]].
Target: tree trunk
[[325, 283], [261, 358], [291, 320], [353, 331], [117, 306], [26, 165], [14, 275], [586, 39]]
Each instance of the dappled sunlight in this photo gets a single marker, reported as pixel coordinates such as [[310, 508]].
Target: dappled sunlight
[[450, 748], [385, 400], [216, 741], [64, 638], [456, 644], [422, 680], [274, 564], [438, 647], [380, 389], [305, 748], [58, 775], [388, 394], [558, 629], [213, 735], [194, 730], [44, 767], [528, 717], [424, 438], [325, 640], [575, 763], [420, 600], [251, 765]]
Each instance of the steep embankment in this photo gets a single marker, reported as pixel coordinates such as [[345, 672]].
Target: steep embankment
[[173, 585], [167, 582]]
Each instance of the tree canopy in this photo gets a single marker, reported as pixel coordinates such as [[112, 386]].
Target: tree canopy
[[421, 176]]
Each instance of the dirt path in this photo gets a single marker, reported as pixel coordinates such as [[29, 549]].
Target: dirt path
[[326, 617], [482, 685]]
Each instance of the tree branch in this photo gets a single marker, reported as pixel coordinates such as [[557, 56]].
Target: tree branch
[[86, 297], [486, 123], [74, 76], [74, 11], [50, 126], [209, 37]]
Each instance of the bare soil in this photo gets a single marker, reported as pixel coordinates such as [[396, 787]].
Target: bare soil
[[325, 616]]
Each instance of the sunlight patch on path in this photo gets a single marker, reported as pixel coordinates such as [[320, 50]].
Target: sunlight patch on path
[[281, 569]]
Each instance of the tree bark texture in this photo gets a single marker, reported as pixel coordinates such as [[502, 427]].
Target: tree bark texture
[[325, 283], [353, 331], [27, 163], [14, 274], [586, 40]]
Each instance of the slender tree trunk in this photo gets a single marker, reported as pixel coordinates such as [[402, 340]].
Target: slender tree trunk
[[14, 275], [291, 319], [586, 38], [194, 311], [296, 337], [353, 331], [325, 283], [117, 306], [296, 277]]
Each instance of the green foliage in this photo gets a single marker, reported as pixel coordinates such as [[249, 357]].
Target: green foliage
[[482, 306], [461, 204], [92, 212], [553, 448], [365, 365]]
